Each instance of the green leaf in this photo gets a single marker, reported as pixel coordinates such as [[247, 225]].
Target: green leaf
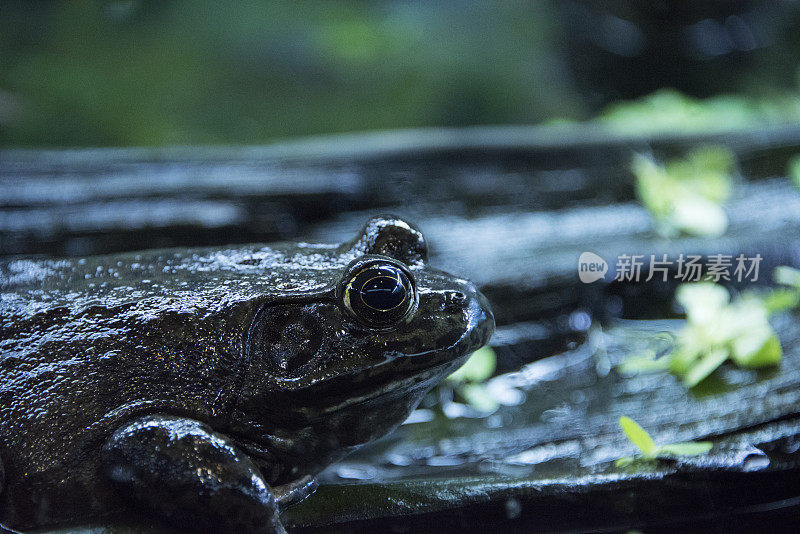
[[757, 348], [794, 170], [478, 397], [642, 439], [779, 300], [668, 110], [653, 186], [788, 276], [706, 365], [699, 216], [705, 172], [746, 314], [691, 345], [687, 448], [477, 368], [718, 329], [625, 461], [643, 364], [685, 195], [712, 159], [702, 301], [638, 436]]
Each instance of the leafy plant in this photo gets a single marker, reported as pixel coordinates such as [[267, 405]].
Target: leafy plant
[[788, 276], [668, 110], [786, 297], [718, 329], [478, 368], [686, 195], [794, 170], [469, 381], [650, 451]]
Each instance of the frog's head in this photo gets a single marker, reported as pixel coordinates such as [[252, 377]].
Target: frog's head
[[334, 368]]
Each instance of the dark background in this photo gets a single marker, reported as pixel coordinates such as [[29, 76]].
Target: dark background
[[99, 73]]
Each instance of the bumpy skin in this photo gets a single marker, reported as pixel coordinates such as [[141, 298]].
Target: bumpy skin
[[206, 382], [181, 468]]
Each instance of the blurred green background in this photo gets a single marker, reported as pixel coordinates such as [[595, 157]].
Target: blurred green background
[[94, 73]]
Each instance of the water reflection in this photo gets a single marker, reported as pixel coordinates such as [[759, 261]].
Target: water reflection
[[557, 417]]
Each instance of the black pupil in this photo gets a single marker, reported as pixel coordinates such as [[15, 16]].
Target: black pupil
[[383, 292], [380, 294]]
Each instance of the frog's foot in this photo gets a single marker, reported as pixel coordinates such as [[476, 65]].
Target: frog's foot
[[296, 491], [189, 475]]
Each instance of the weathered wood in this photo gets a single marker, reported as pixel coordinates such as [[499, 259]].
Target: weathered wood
[[549, 465], [79, 202], [512, 209], [526, 262], [552, 458]]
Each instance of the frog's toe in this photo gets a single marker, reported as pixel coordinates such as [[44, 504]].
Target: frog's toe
[[181, 470]]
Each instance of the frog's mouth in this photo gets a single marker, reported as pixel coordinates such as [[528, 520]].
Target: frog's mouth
[[316, 435], [318, 426], [395, 384], [403, 377]]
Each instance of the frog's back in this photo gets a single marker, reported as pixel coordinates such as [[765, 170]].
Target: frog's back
[[89, 342]]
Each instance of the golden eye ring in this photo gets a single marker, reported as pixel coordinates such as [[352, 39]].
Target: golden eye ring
[[379, 293]]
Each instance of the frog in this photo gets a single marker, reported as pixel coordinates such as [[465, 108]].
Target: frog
[[205, 389]]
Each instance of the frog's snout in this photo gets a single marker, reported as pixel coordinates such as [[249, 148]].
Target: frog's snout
[[479, 316]]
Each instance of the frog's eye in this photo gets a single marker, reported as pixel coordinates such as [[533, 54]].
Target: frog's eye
[[379, 293]]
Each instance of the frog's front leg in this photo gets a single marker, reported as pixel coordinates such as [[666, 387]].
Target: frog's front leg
[[188, 474]]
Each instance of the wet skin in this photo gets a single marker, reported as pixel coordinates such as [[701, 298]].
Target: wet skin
[[205, 388]]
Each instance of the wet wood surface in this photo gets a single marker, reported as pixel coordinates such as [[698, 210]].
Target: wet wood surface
[[511, 209], [547, 464], [81, 202]]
